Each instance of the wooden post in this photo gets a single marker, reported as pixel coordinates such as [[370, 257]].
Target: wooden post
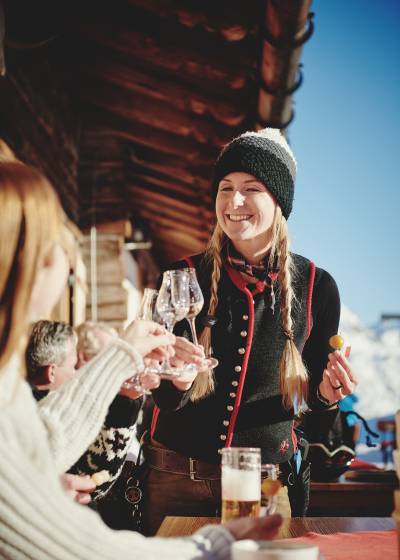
[[117, 282]]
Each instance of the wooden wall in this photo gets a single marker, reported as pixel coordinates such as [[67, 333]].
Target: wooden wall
[[38, 117]]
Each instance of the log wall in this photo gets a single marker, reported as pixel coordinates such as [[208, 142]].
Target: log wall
[[38, 118]]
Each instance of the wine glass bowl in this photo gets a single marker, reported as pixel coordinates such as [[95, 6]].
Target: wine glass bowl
[[145, 313], [172, 305], [146, 310], [196, 303]]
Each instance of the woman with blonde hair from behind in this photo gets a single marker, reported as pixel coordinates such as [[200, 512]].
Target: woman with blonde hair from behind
[[268, 317], [37, 442]]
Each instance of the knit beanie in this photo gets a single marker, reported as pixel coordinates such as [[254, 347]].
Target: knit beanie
[[266, 155]]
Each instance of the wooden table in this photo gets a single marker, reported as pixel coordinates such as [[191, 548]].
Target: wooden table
[[294, 527], [350, 498]]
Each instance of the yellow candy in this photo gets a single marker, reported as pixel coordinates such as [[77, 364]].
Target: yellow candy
[[336, 342]]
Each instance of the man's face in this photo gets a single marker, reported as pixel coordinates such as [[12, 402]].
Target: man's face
[[66, 369]]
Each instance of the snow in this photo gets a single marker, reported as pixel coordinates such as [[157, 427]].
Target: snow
[[375, 357]]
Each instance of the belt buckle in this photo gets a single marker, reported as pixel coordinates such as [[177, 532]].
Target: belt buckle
[[192, 470]]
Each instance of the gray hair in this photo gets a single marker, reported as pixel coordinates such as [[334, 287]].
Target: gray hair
[[47, 345]]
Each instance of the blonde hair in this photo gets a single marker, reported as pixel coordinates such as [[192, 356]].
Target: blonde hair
[[292, 371], [6, 153], [29, 228]]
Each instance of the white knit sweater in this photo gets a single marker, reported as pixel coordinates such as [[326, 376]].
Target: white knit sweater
[[37, 519]]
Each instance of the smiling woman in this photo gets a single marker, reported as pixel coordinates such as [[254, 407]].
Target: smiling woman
[[268, 316], [245, 211]]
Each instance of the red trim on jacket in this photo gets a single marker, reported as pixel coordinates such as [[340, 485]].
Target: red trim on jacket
[[189, 262], [309, 296], [154, 418], [240, 283]]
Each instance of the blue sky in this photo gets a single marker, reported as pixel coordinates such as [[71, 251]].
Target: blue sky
[[346, 137]]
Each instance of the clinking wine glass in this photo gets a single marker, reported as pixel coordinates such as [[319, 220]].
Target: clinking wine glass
[[146, 313], [196, 302], [147, 305], [172, 305]]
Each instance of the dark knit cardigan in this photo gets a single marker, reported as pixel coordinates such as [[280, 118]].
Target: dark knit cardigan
[[246, 408], [110, 448]]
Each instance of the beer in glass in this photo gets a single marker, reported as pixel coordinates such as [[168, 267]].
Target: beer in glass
[[240, 480]]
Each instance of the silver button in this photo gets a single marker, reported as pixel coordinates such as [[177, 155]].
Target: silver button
[[238, 369], [223, 437], [235, 383], [229, 407], [232, 395], [226, 422], [243, 333], [245, 317], [241, 351]]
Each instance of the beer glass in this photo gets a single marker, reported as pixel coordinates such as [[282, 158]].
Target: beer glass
[[240, 481], [270, 486]]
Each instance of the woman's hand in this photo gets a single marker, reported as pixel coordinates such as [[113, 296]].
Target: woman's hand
[[187, 353], [78, 487], [147, 381], [250, 528], [339, 380], [150, 339]]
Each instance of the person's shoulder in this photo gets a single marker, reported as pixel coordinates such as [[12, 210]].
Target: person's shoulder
[[323, 280], [190, 261]]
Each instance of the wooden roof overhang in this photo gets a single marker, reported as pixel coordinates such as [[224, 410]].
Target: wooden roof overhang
[[161, 86], [163, 89]]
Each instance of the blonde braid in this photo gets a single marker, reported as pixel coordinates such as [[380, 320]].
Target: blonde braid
[[292, 372], [203, 385]]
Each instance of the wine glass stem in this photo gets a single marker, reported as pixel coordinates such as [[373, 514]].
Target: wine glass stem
[[192, 323], [166, 366]]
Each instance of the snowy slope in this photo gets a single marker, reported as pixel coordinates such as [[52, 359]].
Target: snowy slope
[[375, 355]]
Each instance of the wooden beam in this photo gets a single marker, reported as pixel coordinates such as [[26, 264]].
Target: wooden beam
[[163, 50], [108, 124], [285, 21], [231, 112], [157, 114], [232, 19]]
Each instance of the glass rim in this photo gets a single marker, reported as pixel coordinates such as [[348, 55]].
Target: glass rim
[[241, 449], [176, 271]]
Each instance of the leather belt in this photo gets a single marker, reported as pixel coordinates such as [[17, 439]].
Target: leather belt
[[163, 459]]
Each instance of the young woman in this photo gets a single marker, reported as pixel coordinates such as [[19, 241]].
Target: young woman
[[37, 518], [268, 317]]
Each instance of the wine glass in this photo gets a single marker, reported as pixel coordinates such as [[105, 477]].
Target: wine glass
[[172, 305], [147, 305], [270, 486], [146, 313], [196, 302]]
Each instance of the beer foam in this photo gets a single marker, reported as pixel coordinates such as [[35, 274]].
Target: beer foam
[[240, 485]]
